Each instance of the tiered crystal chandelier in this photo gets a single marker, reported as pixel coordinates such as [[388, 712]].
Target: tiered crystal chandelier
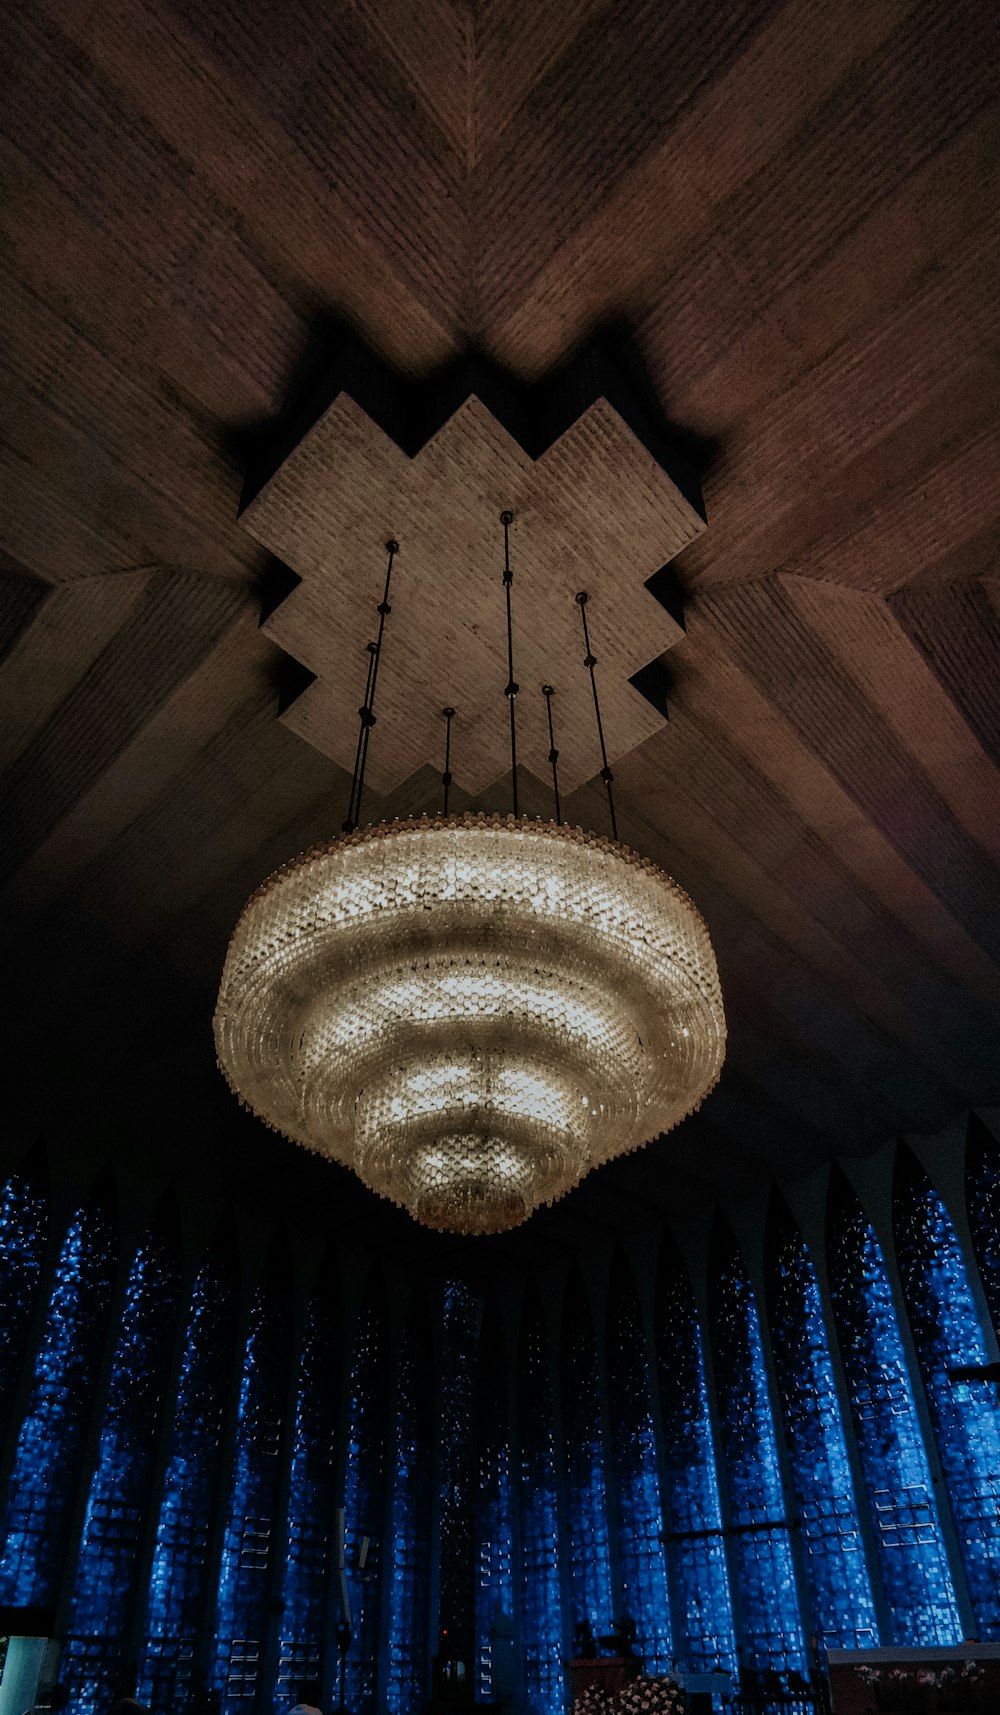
[[470, 1011]]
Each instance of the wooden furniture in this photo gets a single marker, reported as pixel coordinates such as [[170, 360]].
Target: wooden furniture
[[932, 1681], [611, 1672]]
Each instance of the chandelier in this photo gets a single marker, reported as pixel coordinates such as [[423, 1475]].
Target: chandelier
[[471, 1011]]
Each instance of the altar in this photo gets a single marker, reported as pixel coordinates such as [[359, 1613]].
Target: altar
[[611, 1673], [927, 1681]]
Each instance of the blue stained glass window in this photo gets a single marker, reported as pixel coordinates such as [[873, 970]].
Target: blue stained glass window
[[982, 1189], [409, 1568], [24, 1225], [308, 1557], [640, 1513], [364, 1490], [248, 1541], [459, 1330], [584, 1466], [912, 1557], [696, 1558], [179, 1596], [772, 1628], [50, 1443], [104, 1587], [541, 1610], [966, 1416], [494, 1533], [843, 1607]]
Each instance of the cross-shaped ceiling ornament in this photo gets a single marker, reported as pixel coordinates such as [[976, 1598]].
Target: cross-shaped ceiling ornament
[[600, 503]]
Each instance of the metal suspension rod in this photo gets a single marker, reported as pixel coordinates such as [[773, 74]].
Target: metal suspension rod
[[449, 715], [349, 825], [548, 692], [367, 711], [590, 662], [511, 688]]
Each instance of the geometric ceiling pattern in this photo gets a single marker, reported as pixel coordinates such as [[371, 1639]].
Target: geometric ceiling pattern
[[785, 219], [588, 502]]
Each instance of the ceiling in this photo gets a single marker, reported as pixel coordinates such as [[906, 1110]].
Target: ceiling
[[787, 216]]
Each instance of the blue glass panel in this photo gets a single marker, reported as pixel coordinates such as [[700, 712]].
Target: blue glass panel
[[584, 1468], [912, 1557], [696, 1558], [409, 1569], [460, 1327], [966, 1416], [308, 1557], [179, 1597], [494, 1553], [24, 1224], [772, 1628], [50, 1444], [982, 1187], [843, 1609], [541, 1610], [248, 1541], [104, 1587], [640, 1513], [364, 1490]]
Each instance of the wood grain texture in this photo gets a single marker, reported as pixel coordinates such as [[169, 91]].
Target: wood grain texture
[[787, 215]]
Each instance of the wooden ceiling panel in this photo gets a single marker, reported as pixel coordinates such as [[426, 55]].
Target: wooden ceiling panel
[[330, 86], [870, 422], [320, 246], [631, 244], [899, 103], [946, 502], [896, 679], [714, 815], [887, 115], [514, 49], [45, 534], [249, 777], [168, 250], [67, 630], [21, 596], [155, 762], [53, 466], [786, 215], [172, 626], [625, 81], [120, 297], [430, 46], [760, 627], [820, 999], [89, 403], [199, 932], [792, 1016], [956, 627], [921, 231], [856, 523], [718, 691]]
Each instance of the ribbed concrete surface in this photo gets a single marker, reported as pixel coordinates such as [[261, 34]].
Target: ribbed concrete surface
[[795, 207]]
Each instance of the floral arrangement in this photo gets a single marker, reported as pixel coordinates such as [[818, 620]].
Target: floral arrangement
[[593, 1700], [657, 1695], [968, 1673]]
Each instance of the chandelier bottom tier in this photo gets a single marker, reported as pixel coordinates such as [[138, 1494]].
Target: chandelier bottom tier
[[470, 1012]]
